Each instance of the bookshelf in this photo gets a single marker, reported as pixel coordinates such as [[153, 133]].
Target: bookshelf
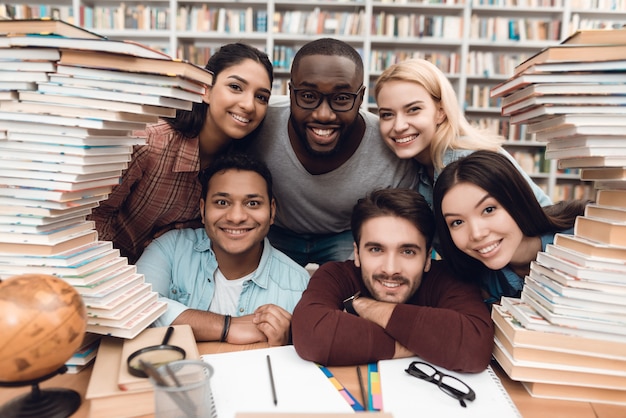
[[477, 43]]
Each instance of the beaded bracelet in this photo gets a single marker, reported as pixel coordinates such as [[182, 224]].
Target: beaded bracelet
[[226, 328]]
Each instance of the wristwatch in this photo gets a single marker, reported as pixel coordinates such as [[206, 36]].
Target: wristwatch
[[347, 303]]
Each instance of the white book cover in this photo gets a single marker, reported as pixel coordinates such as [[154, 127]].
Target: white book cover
[[300, 384], [406, 396]]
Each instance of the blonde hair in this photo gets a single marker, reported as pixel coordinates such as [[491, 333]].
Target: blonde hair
[[455, 132]]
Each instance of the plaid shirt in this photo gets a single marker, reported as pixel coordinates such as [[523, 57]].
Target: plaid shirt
[[159, 191]]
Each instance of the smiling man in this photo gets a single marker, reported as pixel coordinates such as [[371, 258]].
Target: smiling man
[[392, 301], [325, 152], [226, 280]]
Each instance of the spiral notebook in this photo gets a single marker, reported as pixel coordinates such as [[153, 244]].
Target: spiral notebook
[[405, 396]]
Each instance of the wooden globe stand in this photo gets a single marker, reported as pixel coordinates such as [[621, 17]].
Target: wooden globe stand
[[43, 403]]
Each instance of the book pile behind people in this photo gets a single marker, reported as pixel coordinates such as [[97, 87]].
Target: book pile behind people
[[566, 337], [71, 105]]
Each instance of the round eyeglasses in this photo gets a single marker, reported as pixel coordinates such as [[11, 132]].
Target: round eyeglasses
[[312, 99]]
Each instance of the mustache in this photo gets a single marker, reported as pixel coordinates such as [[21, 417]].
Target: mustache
[[395, 278]]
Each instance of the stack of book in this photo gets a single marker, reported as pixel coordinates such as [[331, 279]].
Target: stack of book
[[70, 101], [566, 337]]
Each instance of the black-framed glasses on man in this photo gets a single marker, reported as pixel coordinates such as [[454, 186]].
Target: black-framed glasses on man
[[450, 385], [311, 99]]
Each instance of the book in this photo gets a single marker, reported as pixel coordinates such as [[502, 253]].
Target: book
[[109, 284], [105, 398], [568, 120], [531, 319], [610, 185], [563, 90], [38, 54], [580, 297], [612, 213], [85, 45], [110, 307], [605, 231], [85, 189], [603, 173], [33, 206], [75, 111], [132, 77], [133, 326], [539, 113], [577, 140], [18, 85], [142, 89], [56, 167], [559, 305], [81, 268], [70, 121], [580, 272], [575, 322], [402, 392], [108, 61], [119, 316], [520, 336], [584, 260], [86, 352], [546, 100], [568, 280], [611, 198], [575, 393], [47, 237], [63, 99], [58, 176], [52, 248], [46, 26], [584, 162], [117, 96], [62, 157], [74, 256], [300, 384], [31, 66], [596, 36], [181, 337], [529, 371], [551, 358], [24, 76], [75, 131], [561, 67], [85, 141], [573, 53], [26, 219], [586, 151], [36, 229], [519, 81]]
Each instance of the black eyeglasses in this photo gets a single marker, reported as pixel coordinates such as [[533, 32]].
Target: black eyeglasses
[[450, 385], [311, 99]]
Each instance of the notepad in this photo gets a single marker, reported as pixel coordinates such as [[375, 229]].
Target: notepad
[[407, 397], [241, 383]]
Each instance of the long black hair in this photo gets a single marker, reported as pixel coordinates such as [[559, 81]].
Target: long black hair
[[190, 122]]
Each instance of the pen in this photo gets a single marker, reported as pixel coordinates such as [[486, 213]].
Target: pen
[[358, 373], [269, 367]]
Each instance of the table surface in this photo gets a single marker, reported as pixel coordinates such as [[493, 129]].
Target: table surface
[[528, 406]]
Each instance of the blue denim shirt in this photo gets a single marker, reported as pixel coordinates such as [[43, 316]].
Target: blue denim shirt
[[426, 185], [181, 266]]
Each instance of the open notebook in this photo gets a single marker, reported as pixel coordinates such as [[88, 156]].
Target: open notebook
[[406, 396], [241, 383]]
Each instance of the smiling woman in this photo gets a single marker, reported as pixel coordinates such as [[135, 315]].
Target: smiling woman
[[159, 191], [491, 226]]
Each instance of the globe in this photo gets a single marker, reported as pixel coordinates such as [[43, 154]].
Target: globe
[[42, 324]]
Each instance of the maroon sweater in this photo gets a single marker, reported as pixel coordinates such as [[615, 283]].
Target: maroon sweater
[[445, 323]]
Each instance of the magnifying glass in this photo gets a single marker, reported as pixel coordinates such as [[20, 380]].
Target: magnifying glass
[[156, 355]]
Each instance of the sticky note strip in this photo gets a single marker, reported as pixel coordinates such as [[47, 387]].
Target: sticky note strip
[[342, 390], [373, 382]]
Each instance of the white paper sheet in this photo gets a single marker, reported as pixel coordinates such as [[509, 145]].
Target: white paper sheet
[[406, 396], [241, 383]]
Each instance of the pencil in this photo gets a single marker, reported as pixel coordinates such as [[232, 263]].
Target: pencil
[[269, 367], [358, 373]]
